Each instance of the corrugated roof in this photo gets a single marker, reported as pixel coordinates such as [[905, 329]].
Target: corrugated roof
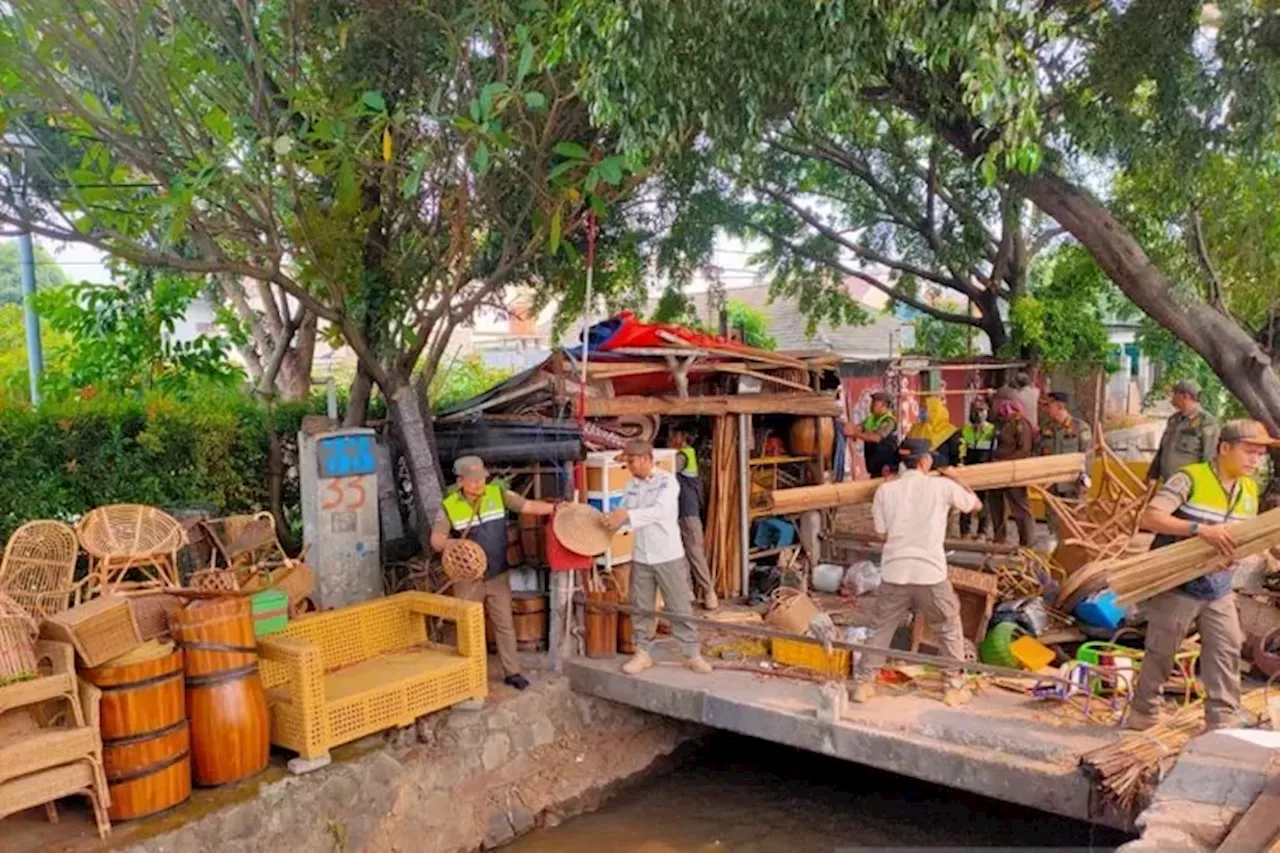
[[881, 338]]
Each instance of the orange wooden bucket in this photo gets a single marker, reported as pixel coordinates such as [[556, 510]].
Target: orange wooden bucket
[[226, 705], [145, 745]]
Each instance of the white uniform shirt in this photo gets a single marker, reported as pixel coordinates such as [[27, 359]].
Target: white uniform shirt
[[911, 512], [653, 506]]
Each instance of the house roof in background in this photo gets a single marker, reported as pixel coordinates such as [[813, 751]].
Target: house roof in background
[[881, 338]]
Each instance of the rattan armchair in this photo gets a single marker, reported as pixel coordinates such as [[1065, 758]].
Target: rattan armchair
[[38, 567], [121, 537]]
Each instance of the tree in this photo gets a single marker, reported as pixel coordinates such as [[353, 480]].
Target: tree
[[48, 273], [1062, 317], [1033, 96], [388, 168]]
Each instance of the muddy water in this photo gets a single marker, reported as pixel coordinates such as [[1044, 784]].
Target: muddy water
[[735, 795]]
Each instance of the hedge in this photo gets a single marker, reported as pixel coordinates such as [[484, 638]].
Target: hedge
[[64, 459]]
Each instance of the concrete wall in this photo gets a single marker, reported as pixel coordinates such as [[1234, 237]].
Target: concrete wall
[[459, 780]]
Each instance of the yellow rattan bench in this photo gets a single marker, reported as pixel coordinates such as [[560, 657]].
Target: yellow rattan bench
[[337, 676]]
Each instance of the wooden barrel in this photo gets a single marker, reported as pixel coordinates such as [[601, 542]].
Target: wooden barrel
[[145, 744], [225, 702], [529, 613], [601, 626], [811, 437]]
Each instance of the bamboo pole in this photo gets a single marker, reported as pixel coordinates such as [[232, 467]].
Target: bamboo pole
[[1039, 470]]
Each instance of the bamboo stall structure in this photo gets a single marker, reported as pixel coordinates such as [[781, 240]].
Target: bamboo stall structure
[[1126, 768], [1039, 470], [724, 531], [1147, 575]]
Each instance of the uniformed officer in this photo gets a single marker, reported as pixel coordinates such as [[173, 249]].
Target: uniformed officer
[[479, 510], [1190, 436], [1063, 432], [1202, 499], [879, 435]]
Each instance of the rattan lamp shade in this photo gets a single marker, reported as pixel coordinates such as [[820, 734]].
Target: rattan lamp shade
[[580, 528], [463, 561]]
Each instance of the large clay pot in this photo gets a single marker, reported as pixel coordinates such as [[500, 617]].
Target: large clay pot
[[225, 701], [812, 437], [145, 743]]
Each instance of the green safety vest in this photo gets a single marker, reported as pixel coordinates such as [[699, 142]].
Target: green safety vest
[[873, 421], [690, 461], [1209, 503], [484, 523], [975, 439]]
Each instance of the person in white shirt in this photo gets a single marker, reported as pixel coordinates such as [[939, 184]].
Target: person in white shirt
[[650, 504], [910, 511]]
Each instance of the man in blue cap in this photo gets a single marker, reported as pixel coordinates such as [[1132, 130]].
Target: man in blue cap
[[911, 511]]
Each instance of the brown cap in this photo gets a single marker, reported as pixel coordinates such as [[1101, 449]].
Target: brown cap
[[1190, 387], [637, 447], [879, 397], [1247, 432], [469, 466]]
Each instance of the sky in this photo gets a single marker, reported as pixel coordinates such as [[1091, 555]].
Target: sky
[[78, 261]]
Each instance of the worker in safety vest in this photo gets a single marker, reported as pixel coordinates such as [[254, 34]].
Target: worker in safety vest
[[1203, 499], [979, 437], [478, 509], [1190, 436], [691, 533], [878, 433]]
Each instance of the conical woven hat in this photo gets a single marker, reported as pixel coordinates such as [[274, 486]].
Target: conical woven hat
[[580, 529]]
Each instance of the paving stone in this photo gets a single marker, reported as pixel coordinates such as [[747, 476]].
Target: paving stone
[[496, 751]]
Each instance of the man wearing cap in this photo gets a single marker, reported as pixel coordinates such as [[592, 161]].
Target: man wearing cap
[[691, 533], [878, 433], [1015, 440], [651, 505], [911, 511], [1190, 436], [1203, 499], [477, 510], [1063, 432]]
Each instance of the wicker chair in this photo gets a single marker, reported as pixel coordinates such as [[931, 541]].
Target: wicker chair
[[38, 566], [121, 537]]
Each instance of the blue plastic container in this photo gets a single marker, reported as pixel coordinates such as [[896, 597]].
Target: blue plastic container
[[1101, 611]]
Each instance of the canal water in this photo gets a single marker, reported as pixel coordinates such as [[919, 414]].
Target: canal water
[[737, 795]]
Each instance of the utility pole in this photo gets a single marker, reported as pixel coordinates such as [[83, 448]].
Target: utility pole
[[27, 274]]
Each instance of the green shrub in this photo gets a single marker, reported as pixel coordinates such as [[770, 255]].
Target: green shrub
[[210, 448]]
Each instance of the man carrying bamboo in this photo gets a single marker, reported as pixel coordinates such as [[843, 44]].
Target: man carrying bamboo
[[911, 511], [1202, 499]]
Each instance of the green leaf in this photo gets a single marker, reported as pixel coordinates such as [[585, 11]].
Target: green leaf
[[373, 100], [346, 182], [488, 93], [535, 100], [593, 179], [571, 149], [553, 236], [560, 168], [482, 158], [611, 170], [410, 183], [217, 122], [526, 62]]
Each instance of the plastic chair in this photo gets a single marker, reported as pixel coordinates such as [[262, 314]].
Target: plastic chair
[[121, 537], [38, 567]]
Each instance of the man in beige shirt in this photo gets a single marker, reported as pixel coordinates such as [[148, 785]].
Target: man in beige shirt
[[911, 511]]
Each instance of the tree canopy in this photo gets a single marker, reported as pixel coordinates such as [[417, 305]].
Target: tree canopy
[[48, 273], [1060, 103]]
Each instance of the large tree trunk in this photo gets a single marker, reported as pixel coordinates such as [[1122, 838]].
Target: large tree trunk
[[405, 409], [1233, 354], [993, 323], [294, 379], [358, 400]]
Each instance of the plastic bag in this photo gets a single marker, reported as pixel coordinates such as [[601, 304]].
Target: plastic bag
[[861, 578], [1029, 614]]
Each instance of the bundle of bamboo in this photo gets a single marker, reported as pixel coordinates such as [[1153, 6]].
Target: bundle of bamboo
[[1124, 769], [1039, 470], [1147, 575], [723, 525]]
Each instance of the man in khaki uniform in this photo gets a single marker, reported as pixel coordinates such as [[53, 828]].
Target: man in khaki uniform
[[911, 511], [1063, 432], [1204, 499], [478, 510], [1190, 436]]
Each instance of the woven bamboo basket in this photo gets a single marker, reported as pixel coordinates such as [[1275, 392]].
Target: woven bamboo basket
[[464, 561], [17, 642], [99, 630]]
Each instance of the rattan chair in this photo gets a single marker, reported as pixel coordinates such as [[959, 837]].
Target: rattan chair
[[124, 537], [38, 567]]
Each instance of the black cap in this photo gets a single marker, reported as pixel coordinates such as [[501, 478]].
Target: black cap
[[1061, 396], [914, 448]]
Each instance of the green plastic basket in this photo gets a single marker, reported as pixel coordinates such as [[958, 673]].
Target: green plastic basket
[[995, 646], [270, 612]]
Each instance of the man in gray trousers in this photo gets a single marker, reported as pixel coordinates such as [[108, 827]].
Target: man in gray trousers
[[650, 504]]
